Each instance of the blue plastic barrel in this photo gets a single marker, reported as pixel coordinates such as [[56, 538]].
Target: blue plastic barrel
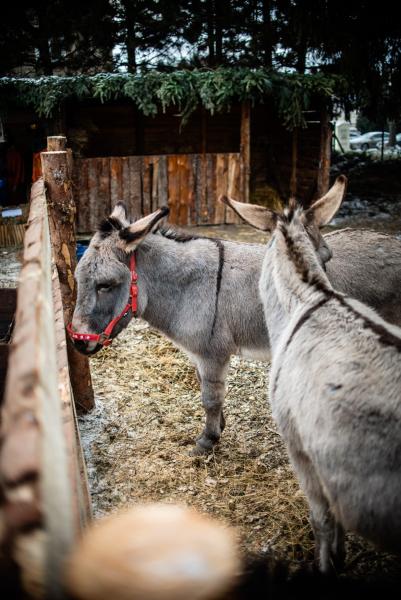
[[81, 247]]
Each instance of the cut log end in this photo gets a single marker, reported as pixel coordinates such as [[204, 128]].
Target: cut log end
[[157, 552]]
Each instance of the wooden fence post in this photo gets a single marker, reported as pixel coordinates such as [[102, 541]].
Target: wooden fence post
[[56, 169], [245, 149]]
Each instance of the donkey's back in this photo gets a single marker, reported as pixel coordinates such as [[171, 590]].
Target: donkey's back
[[366, 265]]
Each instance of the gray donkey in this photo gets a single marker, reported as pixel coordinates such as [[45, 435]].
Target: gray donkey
[[335, 385], [203, 293]]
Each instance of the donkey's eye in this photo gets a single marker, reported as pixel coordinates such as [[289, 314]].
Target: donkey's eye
[[104, 287]]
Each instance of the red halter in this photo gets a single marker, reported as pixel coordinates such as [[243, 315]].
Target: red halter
[[132, 304]]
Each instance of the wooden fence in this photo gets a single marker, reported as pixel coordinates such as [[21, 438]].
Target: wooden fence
[[45, 500], [189, 184]]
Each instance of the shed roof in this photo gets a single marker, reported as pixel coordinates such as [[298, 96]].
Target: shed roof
[[213, 89]]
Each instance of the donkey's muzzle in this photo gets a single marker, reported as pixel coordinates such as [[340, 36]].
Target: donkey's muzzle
[[83, 347]]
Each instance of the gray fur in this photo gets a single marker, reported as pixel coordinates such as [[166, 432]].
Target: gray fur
[[335, 385], [178, 285]]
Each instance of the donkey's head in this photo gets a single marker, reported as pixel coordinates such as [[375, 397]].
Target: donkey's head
[[104, 279], [310, 220]]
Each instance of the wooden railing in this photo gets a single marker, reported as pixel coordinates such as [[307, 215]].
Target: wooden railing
[[45, 499]]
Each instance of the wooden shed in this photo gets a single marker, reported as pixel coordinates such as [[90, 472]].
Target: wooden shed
[[245, 147]]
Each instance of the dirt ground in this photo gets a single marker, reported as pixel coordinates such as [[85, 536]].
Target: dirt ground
[[148, 415]]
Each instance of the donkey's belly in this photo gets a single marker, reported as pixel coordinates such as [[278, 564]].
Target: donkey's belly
[[262, 354]]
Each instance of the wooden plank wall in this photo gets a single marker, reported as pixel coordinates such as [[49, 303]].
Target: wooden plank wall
[[189, 183], [44, 500]]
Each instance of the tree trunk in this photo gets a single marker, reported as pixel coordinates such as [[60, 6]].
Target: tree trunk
[[43, 44], [392, 128], [130, 37], [210, 32], [267, 34], [219, 7]]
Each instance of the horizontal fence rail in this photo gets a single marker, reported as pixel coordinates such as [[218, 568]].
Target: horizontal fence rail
[[45, 500]]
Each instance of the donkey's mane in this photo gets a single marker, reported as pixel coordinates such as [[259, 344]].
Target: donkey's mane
[[108, 225], [180, 236], [295, 251], [295, 254]]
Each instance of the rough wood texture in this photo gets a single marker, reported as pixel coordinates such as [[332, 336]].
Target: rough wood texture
[[56, 143], [81, 505], [245, 149], [61, 209], [189, 183], [36, 512], [323, 175]]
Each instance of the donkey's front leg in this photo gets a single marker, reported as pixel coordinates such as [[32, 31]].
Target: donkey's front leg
[[212, 379]]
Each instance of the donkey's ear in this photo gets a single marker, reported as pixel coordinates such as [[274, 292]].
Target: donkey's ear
[[257, 216], [324, 209], [134, 233], [120, 214]]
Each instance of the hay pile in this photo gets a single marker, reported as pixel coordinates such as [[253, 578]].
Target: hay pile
[[148, 415]]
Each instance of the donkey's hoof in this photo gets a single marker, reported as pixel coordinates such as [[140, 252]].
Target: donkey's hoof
[[199, 451], [204, 445]]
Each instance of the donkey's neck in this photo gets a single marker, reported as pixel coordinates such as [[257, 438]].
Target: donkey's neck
[[292, 279], [169, 271]]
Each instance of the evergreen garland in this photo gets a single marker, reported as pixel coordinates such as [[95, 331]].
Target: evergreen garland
[[216, 90]]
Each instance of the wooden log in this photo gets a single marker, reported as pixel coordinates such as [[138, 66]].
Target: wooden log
[[81, 504], [61, 209], [36, 511], [245, 149], [56, 143]]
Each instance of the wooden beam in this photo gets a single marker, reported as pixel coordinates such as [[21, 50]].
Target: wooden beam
[[245, 149], [323, 177], [36, 510], [61, 207]]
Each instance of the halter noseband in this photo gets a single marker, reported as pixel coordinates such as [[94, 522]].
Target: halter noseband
[[132, 305]]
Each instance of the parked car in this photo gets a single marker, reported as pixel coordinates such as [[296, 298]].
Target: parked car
[[368, 140], [354, 132], [386, 140]]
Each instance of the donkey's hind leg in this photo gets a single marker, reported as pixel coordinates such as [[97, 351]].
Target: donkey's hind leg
[[212, 377], [329, 535]]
